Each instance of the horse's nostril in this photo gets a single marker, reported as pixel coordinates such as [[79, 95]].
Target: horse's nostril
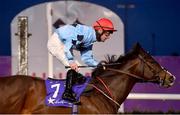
[[172, 79]]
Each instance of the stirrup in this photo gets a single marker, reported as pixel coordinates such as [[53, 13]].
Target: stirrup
[[68, 96], [77, 102], [73, 100]]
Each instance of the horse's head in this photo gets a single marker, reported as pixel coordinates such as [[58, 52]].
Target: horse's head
[[151, 70], [140, 65]]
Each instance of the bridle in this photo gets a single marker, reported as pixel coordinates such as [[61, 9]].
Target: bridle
[[157, 79]]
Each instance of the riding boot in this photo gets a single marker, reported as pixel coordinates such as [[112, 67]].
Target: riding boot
[[68, 93], [79, 79]]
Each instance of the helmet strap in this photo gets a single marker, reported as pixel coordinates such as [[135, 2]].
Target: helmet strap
[[98, 35]]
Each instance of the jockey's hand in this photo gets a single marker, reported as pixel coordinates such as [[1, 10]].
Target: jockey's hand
[[102, 65], [74, 66]]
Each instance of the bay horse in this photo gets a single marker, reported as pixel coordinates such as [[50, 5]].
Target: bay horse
[[26, 94]]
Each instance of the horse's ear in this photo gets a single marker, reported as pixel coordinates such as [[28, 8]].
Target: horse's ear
[[139, 49], [137, 46]]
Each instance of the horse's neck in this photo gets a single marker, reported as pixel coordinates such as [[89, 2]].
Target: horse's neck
[[119, 84], [121, 87]]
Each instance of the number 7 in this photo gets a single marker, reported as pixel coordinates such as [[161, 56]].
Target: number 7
[[57, 86]]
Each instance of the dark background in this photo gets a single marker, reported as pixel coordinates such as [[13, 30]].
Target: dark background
[[152, 23]]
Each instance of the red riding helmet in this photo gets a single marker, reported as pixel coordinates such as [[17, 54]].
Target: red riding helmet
[[104, 24]]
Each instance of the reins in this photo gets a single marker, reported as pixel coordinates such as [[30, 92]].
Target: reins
[[124, 72], [110, 93], [105, 67], [102, 92], [127, 73], [119, 71], [136, 76]]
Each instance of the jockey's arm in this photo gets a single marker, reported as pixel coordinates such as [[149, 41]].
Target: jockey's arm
[[68, 51], [87, 57], [70, 57]]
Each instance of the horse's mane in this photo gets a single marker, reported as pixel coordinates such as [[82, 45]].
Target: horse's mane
[[122, 58], [129, 55]]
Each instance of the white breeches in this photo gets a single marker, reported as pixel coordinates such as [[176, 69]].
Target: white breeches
[[56, 48]]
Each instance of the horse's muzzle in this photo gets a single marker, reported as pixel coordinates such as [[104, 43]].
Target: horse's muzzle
[[167, 82]]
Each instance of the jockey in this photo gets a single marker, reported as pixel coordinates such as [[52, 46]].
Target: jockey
[[78, 37]]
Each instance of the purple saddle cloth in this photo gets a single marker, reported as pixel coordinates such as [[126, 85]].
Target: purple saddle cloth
[[55, 89]]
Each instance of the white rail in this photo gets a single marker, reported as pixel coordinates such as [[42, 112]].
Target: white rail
[[150, 96], [154, 96]]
